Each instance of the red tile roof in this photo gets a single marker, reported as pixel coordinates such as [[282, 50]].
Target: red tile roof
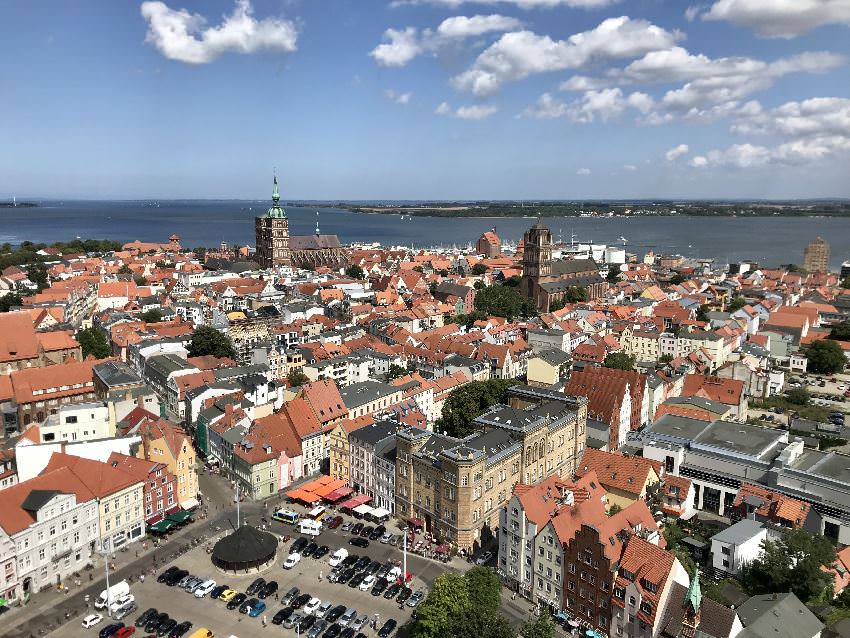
[[13, 518], [617, 471]]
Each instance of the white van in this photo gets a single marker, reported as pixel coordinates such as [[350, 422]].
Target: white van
[[310, 527], [338, 556], [112, 594], [205, 588]]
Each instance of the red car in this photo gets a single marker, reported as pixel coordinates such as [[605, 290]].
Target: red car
[[125, 632], [335, 522]]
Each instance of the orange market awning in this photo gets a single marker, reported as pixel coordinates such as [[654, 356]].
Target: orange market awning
[[336, 495], [324, 490], [303, 496], [360, 499]]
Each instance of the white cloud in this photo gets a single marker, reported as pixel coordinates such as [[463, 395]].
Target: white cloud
[[629, 167], [474, 112], [692, 12], [185, 37], [405, 44], [402, 47], [583, 83], [518, 54], [675, 152], [780, 18], [698, 161], [398, 98], [593, 105], [522, 4], [583, 171]]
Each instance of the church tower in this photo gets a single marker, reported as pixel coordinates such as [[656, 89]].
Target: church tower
[[272, 234], [537, 251], [693, 605]]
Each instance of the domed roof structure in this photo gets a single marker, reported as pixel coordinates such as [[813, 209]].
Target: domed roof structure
[[245, 549]]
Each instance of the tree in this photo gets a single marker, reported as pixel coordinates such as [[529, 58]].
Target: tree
[[540, 627], [207, 341], [444, 272], [840, 331], [502, 301], [479, 269], [826, 356], [485, 588], [10, 300], [620, 361], [468, 401], [355, 272], [557, 304], [614, 509], [613, 275], [139, 280], [447, 600], [736, 304], [702, 313], [151, 316], [576, 294], [677, 279], [93, 342], [479, 285], [798, 396], [665, 358], [791, 563], [296, 378], [512, 281], [37, 274], [125, 270], [395, 372]]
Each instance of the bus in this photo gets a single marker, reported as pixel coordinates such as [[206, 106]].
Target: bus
[[317, 513], [286, 516]]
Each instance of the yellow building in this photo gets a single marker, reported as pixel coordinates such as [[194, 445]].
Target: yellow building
[[339, 445], [165, 442], [548, 367]]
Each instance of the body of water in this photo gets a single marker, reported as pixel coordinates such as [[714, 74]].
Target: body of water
[[768, 240]]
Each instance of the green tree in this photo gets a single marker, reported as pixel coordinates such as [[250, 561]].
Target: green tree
[[702, 312], [665, 358], [798, 396], [444, 272], [476, 622], [479, 269], [139, 280], [479, 285], [620, 361], [206, 340], [485, 588], [125, 270], [576, 294], [613, 275], [791, 563], [37, 274], [395, 372], [93, 342], [468, 401], [557, 304], [826, 356], [355, 272], [840, 331], [503, 301], [540, 627], [151, 316], [736, 304], [677, 279], [512, 281], [10, 300], [447, 600], [297, 378]]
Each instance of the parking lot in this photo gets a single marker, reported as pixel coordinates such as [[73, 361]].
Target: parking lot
[[309, 575]]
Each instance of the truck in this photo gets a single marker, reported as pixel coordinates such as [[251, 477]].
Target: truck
[[112, 594], [310, 527]]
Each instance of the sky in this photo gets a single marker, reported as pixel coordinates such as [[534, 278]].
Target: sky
[[425, 99]]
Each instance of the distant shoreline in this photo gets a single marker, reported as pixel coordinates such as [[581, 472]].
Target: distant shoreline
[[18, 205]]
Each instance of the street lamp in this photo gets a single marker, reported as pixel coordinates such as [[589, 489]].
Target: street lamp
[[404, 556]]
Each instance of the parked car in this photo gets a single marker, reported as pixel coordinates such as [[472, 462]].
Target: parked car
[[349, 560], [236, 601], [356, 579], [312, 606], [292, 621], [122, 612], [305, 623], [335, 613], [404, 594], [358, 623], [291, 561], [348, 617], [298, 544], [357, 541], [245, 607], [367, 582], [318, 627], [125, 632], [416, 598], [358, 527], [255, 586], [366, 531], [334, 575], [165, 628], [155, 622], [394, 540], [110, 630], [379, 587], [192, 584], [333, 631], [311, 547], [345, 576], [227, 595], [347, 632], [176, 578], [188, 578], [180, 630], [386, 538], [346, 526], [91, 620], [373, 567], [205, 588], [257, 608], [267, 590], [149, 613], [167, 574], [387, 629], [376, 533], [334, 522], [282, 615], [301, 600], [290, 595], [321, 551], [484, 558]]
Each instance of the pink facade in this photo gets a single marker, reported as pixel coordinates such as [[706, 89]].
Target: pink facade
[[288, 470]]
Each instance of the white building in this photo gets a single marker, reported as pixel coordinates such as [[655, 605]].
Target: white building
[[77, 422], [737, 546], [53, 522]]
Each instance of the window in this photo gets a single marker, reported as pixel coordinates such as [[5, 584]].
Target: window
[[725, 551], [620, 593], [646, 607], [632, 600]]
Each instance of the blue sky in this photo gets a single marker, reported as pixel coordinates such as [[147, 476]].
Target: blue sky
[[438, 99]]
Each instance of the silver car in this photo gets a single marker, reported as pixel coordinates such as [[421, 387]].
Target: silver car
[[323, 610], [126, 610], [358, 623], [348, 617], [193, 584]]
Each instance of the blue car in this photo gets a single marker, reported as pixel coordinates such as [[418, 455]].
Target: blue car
[[257, 608]]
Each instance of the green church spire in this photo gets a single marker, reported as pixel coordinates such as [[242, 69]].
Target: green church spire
[[276, 210], [694, 596]]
